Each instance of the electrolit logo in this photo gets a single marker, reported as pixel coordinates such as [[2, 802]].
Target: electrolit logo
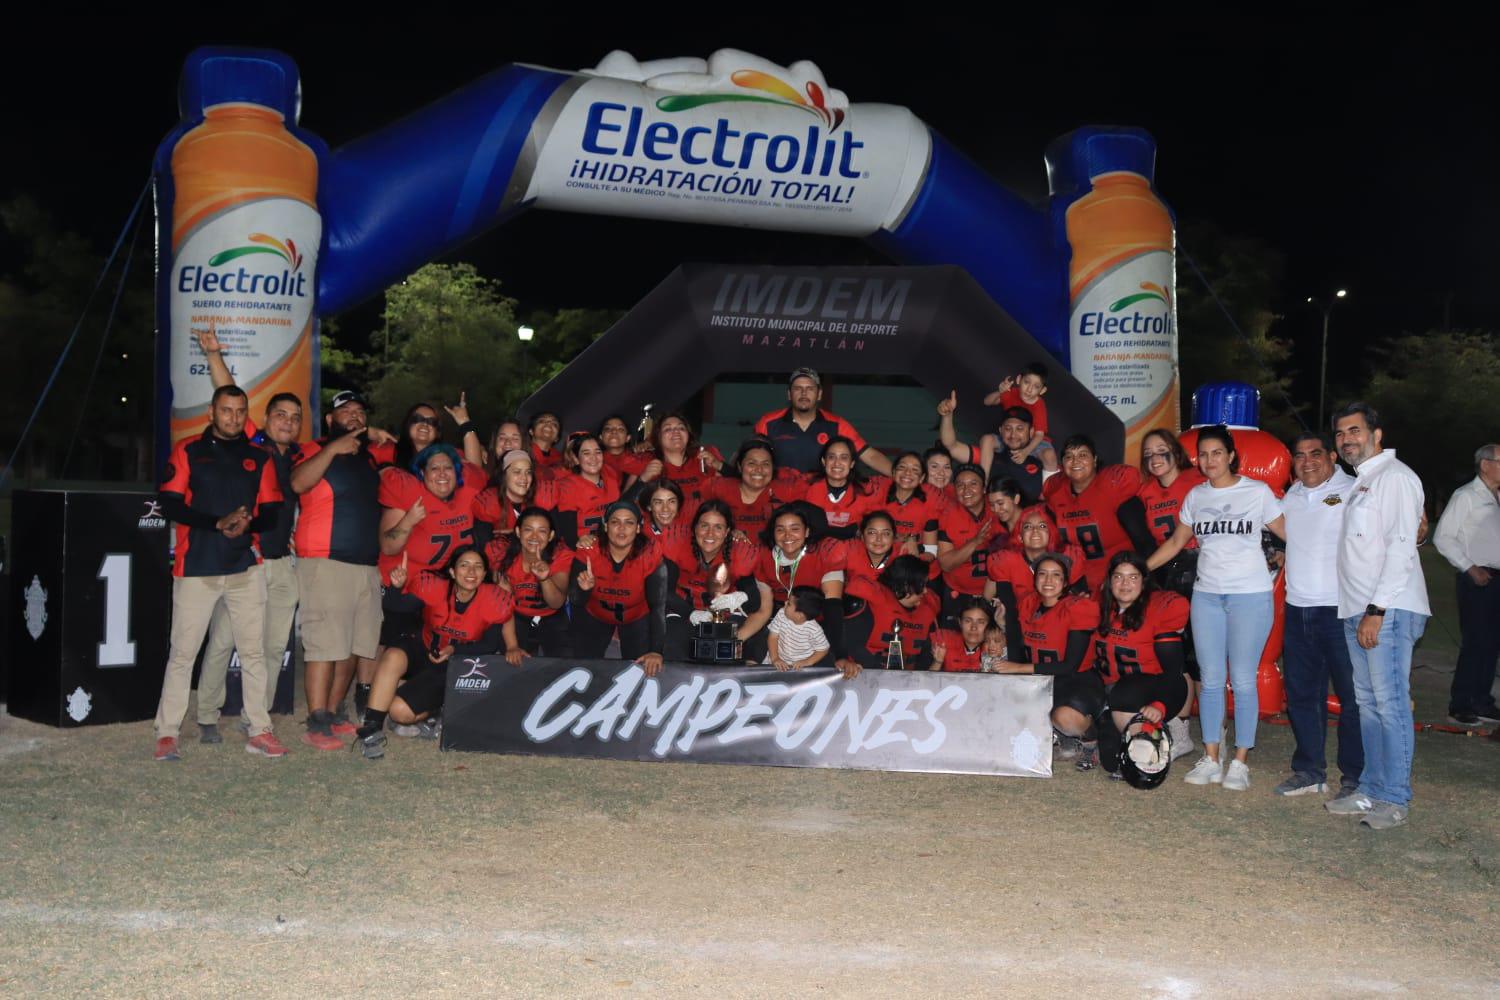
[[290, 281], [261, 243], [1108, 323], [613, 129], [762, 88]]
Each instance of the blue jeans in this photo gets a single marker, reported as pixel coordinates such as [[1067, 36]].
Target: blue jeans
[[1382, 684], [1314, 654], [1229, 634]]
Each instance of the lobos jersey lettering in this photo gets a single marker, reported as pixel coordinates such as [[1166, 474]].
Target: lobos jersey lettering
[[1044, 631], [1164, 502], [447, 525], [1089, 519], [619, 594], [441, 617], [1118, 652], [525, 588]]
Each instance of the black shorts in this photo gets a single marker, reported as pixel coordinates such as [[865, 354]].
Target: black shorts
[[416, 656], [402, 616], [1135, 691], [547, 635], [423, 692], [1082, 691]]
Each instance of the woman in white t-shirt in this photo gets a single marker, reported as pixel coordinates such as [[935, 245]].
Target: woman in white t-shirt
[[1232, 604]]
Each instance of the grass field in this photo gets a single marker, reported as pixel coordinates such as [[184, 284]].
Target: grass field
[[466, 875]]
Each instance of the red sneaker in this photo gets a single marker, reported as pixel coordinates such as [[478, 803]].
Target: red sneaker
[[322, 741], [166, 749], [343, 727], [267, 745]]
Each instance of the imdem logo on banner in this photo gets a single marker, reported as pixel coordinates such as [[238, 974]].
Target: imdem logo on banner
[[475, 680]]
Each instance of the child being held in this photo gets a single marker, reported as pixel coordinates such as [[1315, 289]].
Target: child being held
[[1026, 391], [796, 638], [994, 649]]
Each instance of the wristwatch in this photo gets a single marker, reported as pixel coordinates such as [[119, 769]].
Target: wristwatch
[[1374, 609]]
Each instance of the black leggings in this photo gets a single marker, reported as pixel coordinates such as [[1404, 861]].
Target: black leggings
[[548, 635], [591, 636]]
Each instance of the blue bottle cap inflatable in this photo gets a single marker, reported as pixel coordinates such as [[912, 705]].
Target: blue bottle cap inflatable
[[1234, 404], [213, 76]]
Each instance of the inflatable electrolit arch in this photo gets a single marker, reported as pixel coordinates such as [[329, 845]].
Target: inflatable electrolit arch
[[260, 228], [1262, 456]]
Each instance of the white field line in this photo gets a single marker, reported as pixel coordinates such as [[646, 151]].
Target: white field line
[[976, 955]]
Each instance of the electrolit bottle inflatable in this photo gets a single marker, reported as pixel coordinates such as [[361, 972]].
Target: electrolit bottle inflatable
[[1263, 457], [1122, 326], [245, 231]]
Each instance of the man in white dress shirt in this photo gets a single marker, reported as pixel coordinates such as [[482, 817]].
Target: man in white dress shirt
[[1315, 652], [1383, 604], [1468, 536]]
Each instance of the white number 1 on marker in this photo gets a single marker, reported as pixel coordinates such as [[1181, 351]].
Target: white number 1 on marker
[[117, 649]]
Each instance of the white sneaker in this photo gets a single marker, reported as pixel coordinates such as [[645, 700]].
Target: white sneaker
[[1205, 772], [1182, 739], [1237, 777]]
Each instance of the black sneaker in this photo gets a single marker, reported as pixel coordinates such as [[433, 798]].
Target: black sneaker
[[209, 733], [1489, 716], [371, 747], [1465, 719]]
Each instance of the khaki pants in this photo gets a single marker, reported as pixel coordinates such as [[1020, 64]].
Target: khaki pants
[[281, 608], [194, 599]]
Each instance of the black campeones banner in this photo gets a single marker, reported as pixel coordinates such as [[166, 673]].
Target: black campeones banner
[[880, 720]]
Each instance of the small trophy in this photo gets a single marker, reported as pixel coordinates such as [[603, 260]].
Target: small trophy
[[717, 641], [894, 660], [647, 425]]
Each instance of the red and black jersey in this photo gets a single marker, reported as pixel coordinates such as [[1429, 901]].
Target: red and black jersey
[[276, 541], [752, 518], [525, 588], [208, 477], [917, 514], [1090, 519], [958, 658], [547, 465], [847, 509], [339, 518], [1118, 652], [1163, 503], [495, 508], [586, 499], [821, 562], [619, 593], [802, 449], [1009, 565], [857, 565], [447, 525], [627, 463], [1044, 631], [693, 576], [442, 617], [918, 625], [692, 476], [957, 526]]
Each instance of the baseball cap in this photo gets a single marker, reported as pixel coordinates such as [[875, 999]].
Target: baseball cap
[[805, 373], [345, 397]]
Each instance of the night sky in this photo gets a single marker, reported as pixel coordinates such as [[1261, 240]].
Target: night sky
[[1363, 150]]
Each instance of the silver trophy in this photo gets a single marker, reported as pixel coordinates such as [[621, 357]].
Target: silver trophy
[[894, 658]]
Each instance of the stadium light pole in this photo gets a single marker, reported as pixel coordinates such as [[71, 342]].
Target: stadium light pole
[[525, 333], [1327, 307]]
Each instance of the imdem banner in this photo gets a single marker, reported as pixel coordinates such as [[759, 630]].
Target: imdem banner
[[880, 720]]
